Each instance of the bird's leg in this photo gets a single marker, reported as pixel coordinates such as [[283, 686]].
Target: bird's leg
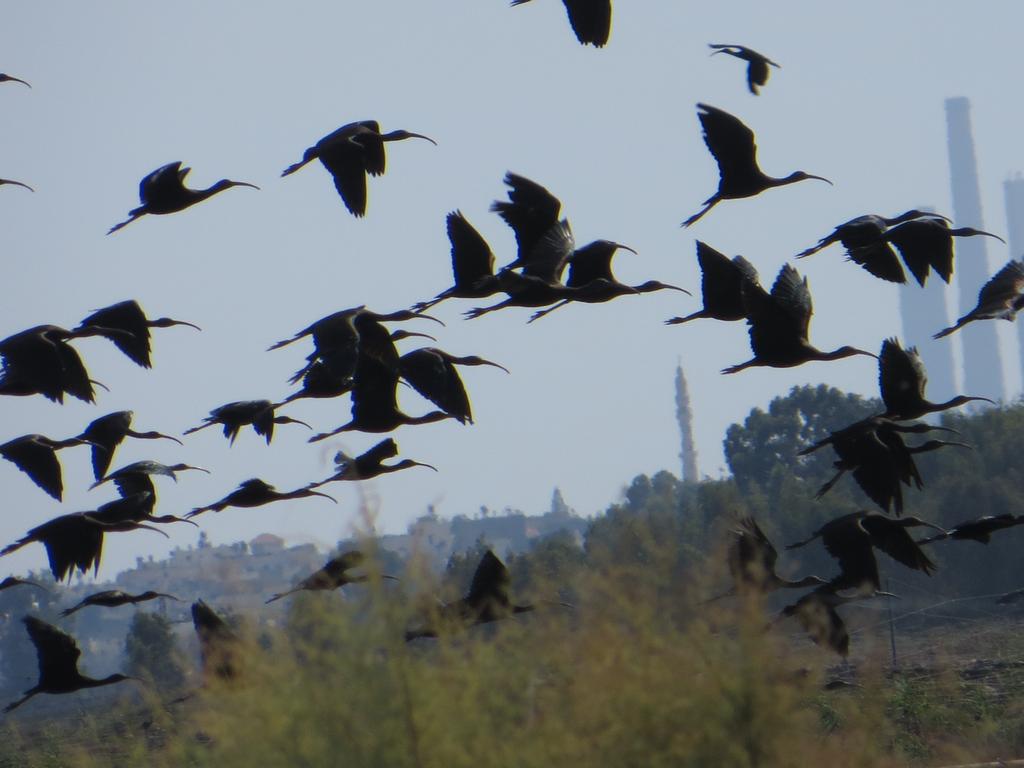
[[740, 367], [28, 695], [132, 216], [708, 205], [539, 314], [828, 486]]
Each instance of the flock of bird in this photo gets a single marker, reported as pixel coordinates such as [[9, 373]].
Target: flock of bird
[[354, 352]]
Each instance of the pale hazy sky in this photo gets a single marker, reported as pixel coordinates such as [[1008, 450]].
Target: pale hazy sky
[[239, 89]]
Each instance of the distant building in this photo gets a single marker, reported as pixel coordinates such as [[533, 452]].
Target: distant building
[[1014, 192], [982, 366]]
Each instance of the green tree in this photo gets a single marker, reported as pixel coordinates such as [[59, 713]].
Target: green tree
[[152, 651]]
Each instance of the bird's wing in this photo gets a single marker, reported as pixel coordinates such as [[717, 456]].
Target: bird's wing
[[167, 180], [895, 540], [722, 280], [730, 142], [901, 375], [37, 461], [591, 262], [124, 316], [490, 580], [344, 562], [793, 297], [437, 380], [56, 652], [374, 389], [850, 545], [591, 20], [1003, 288], [385, 449], [530, 211], [374, 159], [878, 259], [74, 377], [346, 164], [472, 257], [131, 483], [757, 73], [922, 244], [37, 361]]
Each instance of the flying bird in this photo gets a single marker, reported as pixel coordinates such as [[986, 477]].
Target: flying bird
[[591, 20], [14, 581], [106, 433], [487, 600], [113, 598], [218, 643], [472, 264], [164, 191], [36, 456], [928, 243], [721, 285], [333, 575], [351, 152], [234, 416], [255, 493], [979, 529], [128, 318], [432, 373], [757, 63], [779, 324], [137, 477], [369, 464], [733, 147], [76, 540], [752, 557], [58, 654], [816, 612], [1001, 298], [863, 237], [902, 380], [851, 539]]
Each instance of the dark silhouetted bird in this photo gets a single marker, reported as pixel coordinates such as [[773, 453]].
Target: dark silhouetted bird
[[863, 238], [39, 361], [721, 285], [874, 451], [902, 380], [218, 643], [1001, 298], [58, 657], [375, 385], [591, 20], [14, 581], [816, 612], [107, 432], [487, 600], [234, 416], [339, 339], [333, 575], [757, 64], [164, 191], [137, 477], [851, 539], [472, 264], [76, 540], [928, 242], [351, 152], [752, 558], [11, 79], [369, 464], [16, 184], [255, 493], [432, 373], [36, 456], [128, 317], [590, 275], [779, 323], [979, 529], [733, 147], [113, 598]]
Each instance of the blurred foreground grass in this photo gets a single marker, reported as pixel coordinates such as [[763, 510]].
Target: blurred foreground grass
[[640, 673]]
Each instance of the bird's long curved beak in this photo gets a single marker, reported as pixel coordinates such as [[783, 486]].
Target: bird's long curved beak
[[171, 519], [167, 437], [185, 322], [676, 288], [243, 184], [421, 136], [625, 248], [408, 334], [481, 361], [989, 234], [290, 420], [429, 317], [200, 469], [16, 80], [317, 493], [820, 178], [421, 464], [17, 183]]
